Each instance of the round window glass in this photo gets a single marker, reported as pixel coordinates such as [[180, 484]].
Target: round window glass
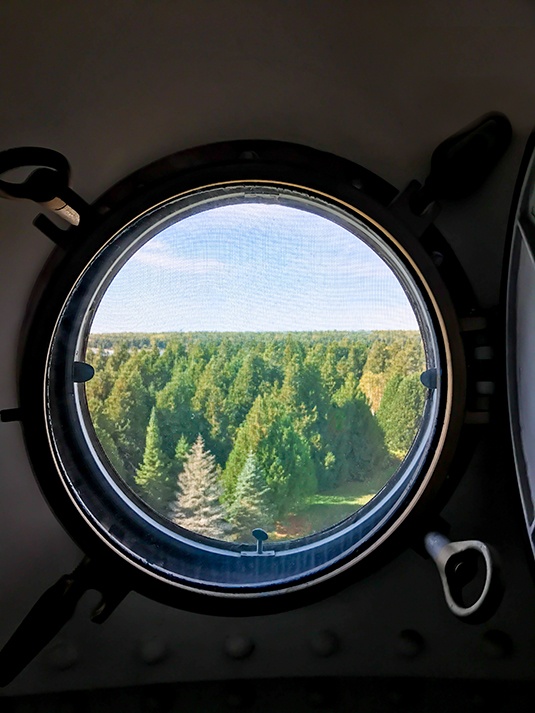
[[266, 386]]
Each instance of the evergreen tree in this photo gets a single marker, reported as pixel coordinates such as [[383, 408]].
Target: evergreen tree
[[252, 506], [282, 452], [209, 399], [104, 432], [181, 453], [400, 412], [177, 414], [198, 504], [119, 356], [250, 380], [354, 436], [99, 387], [153, 476], [128, 408]]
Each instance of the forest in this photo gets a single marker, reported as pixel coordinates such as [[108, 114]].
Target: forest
[[226, 432]]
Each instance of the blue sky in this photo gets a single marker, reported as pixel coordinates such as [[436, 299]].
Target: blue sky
[[254, 267]]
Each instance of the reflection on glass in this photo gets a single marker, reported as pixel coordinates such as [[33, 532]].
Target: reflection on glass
[[256, 366]]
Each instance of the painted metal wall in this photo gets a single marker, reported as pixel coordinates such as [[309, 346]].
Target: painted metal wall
[[117, 85]]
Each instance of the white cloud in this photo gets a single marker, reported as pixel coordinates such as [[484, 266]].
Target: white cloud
[[158, 255]]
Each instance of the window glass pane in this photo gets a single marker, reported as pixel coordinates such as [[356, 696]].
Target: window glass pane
[[257, 365]]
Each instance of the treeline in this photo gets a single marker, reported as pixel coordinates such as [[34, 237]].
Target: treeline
[[221, 430]]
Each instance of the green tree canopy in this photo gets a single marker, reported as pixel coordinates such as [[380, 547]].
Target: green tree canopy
[[128, 408], [401, 411], [154, 477], [281, 452]]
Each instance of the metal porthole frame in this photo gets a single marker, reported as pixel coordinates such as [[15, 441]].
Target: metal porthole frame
[[334, 180]]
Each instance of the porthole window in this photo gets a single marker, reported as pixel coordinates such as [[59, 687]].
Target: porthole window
[[245, 375], [259, 364], [265, 362]]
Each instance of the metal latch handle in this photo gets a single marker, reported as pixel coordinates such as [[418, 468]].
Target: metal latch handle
[[455, 564]]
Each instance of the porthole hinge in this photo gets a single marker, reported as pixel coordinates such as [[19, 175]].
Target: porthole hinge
[[459, 166]]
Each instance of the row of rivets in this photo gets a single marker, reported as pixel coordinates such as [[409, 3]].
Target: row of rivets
[[409, 644]]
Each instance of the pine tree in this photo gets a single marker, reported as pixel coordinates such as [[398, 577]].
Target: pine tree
[[198, 507], [252, 506], [153, 476]]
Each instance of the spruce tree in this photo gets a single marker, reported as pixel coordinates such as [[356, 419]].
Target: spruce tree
[[198, 507], [252, 506], [153, 476]]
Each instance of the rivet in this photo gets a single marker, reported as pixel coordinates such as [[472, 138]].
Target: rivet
[[318, 699], [240, 699], [153, 650], [484, 353], [437, 258], [248, 155], [409, 644], [324, 643], [473, 324], [238, 646], [485, 388], [477, 418], [396, 698], [496, 644], [62, 655], [478, 701]]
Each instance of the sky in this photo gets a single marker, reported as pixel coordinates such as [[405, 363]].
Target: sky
[[254, 267]]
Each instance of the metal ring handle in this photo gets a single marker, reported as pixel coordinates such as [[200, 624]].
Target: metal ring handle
[[450, 558], [28, 156]]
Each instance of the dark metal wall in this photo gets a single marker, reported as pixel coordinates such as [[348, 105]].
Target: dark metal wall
[[117, 85]]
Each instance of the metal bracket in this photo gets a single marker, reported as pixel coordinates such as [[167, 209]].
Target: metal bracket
[[405, 208], [53, 610]]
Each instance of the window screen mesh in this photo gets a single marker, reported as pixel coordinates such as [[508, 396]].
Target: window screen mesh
[[256, 366]]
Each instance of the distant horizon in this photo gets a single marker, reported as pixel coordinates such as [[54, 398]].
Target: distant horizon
[[250, 331], [254, 267]]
